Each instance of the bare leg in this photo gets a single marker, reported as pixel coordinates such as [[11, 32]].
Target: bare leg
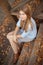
[[13, 44]]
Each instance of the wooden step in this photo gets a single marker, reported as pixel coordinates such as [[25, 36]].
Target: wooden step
[[25, 53]]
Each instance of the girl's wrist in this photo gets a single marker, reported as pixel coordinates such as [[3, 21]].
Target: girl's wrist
[[18, 36]]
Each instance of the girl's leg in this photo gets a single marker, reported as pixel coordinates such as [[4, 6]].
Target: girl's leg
[[14, 46], [12, 43]]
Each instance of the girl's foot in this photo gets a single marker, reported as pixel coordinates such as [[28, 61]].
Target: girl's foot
[[16, 56]]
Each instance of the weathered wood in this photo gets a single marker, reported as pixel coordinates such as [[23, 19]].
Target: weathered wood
[[40, 16], [2, 15], [8, 24], [38, 10], [25, 53], [14, 3], [37, 44], [9, 58], [20, 5]]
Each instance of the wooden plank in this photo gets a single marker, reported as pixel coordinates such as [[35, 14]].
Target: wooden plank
[[38, 10], [14, 3], [40, 16], [25, 53], [20, 5], [2, 15], [8, 24], [37, 45], [9, 57]]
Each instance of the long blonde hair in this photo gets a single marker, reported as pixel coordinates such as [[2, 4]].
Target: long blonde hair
[[27, 10]]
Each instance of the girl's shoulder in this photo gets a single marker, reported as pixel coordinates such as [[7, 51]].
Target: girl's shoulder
[[33, 20]]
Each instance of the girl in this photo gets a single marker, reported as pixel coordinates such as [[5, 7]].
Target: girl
[[25, 30]]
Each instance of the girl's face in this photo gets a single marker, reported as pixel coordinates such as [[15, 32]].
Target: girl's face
[[22, 15]]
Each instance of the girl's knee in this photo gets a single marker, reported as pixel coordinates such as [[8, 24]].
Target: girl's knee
[[8, 36]]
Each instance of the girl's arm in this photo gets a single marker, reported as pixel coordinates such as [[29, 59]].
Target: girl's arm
[[24, 34], [15, 33], [17, 26], [19, 36], [16, 30]]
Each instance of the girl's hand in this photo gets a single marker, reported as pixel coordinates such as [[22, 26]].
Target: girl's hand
[[14, 38], [19, 36]]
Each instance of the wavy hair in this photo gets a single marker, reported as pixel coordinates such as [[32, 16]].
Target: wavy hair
[[27, 10]]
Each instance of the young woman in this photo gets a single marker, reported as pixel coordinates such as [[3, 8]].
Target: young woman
[[25, 30]]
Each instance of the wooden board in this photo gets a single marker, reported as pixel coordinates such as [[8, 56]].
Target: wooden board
[[16, 3], [8, 24], [25, 53]]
